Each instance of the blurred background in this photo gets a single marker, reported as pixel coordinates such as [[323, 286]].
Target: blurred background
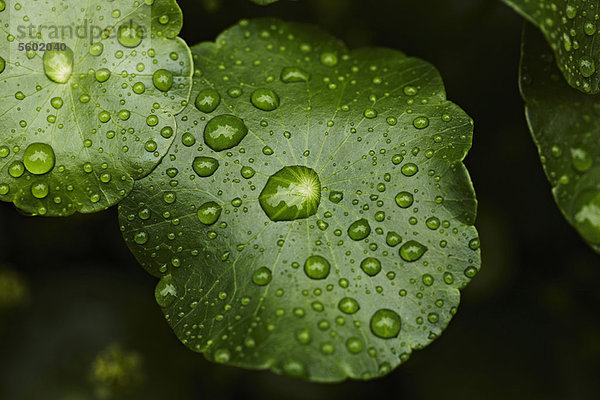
[[77, 314]]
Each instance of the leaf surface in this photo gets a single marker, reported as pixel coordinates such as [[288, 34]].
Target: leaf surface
[[84, 118], [331, 237], [565, 126], [571, 27]]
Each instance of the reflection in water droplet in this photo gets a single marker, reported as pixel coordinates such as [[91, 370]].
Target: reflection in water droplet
[[58, 65], [586, 215], [348, 305], [385, 323], [39, 158], [359, 230], [224, 132], [207, 100], [262, 276], [130, 34], [205, 166], [293, 74], [371, 266], [317, 267], [165, 292], [412, 250], [265, 99], [291, 193], [209, 213], [162, 80]]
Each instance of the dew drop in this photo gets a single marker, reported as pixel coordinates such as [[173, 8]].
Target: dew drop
[[265, 99], [39, 158], [316, 267], [205, 166], [209, 213], [162, 80], [385, 323], [293, 74], [207, 100], [130, 34], [224, 132], [58, 65], [359, 230], [262, 276], [412, 250], [370, 266]]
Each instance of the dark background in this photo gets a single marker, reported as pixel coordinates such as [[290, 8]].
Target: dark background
[[528, 326]]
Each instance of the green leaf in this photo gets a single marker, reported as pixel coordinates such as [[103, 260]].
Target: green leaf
[[565, 125], [571, 27], [82, 120], [316, 218]]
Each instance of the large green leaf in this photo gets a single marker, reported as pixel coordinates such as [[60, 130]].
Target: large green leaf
[[565, 125], [313, 216], [571, 27], [79, 124]]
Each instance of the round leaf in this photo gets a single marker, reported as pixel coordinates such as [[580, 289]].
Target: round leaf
[[565, 127], [89, 94], [571, 27], [318, 220]]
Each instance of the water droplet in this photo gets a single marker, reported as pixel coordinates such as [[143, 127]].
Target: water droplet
[[262, 276], [354, 345], [291, 193], [224, 132], [2, 65], [587, 67], [58, 65], [409, 169], [335, 197], [39, 158], [208, 100], [359, 230], [265, 99], [303, 336], [56, 102], [162, 80], [130, 34], [586, 215], [222, 356], [370, 266], [348, 305], [205, 166], [16, 169], [209, 213], [317, 267], [582, 161], [329, 59], [421, 122], [247, 172], [96, 49], [102, 75], [39, 190], [385, 323], [165, 292], [412, 250], [404, 199], [293, 74], [393, 239]]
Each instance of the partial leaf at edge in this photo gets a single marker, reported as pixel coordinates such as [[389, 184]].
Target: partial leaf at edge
[[105, 122], [372, 124], [565, 125], [571, 27]]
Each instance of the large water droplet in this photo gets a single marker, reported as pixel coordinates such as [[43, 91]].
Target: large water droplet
[[412, 250], [317, 267], [348, 305], [582, 161], [586, 210], [209, 213], [163, 80], [58, 65], [293, 74], [207, 100], [359, 230], [2, 65], [39, 158], [205, 166], [224, 132], [385, 323], [265, 99], [291, 193], [370, 266], [262, 276], [130, 34], [165, 292]]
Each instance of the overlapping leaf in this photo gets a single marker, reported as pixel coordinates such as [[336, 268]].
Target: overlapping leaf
[[313, 216], [89, 93], [571, 27], [565, 125]]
